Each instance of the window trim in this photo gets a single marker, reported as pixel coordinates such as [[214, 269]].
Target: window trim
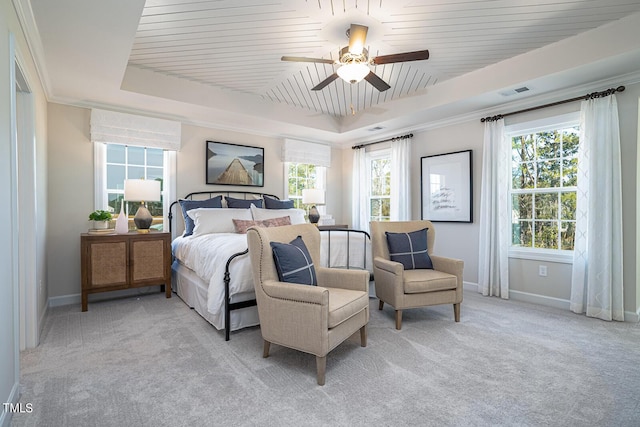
[[540, 125], [100, 178], [321, 181], [538, 254], [384, 153]]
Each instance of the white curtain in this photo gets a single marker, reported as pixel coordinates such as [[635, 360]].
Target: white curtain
[[169, 179], [400, 180], [360, 188], [596, 283], [495, 224]]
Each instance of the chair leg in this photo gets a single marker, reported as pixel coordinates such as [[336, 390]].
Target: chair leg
[[380, 305], [321, 366], [265, 349], [398, 319], [456, 312], [363, 336]]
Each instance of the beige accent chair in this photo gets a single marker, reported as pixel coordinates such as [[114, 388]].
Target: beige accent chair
[[312, 319], [404, 289]]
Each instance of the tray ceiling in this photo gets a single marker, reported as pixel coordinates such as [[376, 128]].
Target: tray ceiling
[[216, 63], [237, 45]]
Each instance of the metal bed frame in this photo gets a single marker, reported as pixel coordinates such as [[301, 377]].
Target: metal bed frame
[[248, 195]]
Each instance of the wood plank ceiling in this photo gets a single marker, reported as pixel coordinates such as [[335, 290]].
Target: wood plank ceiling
[[237, 44]]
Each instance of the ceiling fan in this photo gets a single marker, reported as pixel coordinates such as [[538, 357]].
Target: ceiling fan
[[354, 61]]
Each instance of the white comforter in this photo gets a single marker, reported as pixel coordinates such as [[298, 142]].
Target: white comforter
[[207, 256]]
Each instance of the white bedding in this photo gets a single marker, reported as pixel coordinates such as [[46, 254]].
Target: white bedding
[[341, 243], [207, 255]]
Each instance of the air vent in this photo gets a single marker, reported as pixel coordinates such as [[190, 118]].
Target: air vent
[[514, 91]]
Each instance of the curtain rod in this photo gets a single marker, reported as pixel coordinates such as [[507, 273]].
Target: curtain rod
[[395, 138], [586, 97]]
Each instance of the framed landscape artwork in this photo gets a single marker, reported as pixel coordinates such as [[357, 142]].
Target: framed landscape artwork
[[232, 164], [447, 188]]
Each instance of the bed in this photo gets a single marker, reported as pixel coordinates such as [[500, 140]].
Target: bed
[[211, 268]]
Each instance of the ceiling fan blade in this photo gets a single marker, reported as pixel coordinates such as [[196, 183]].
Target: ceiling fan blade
[[302, 59], [377, 82], [325, 82], [419, 55], [357, 37]]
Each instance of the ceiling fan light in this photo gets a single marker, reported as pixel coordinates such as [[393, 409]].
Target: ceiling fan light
[[353, 73]]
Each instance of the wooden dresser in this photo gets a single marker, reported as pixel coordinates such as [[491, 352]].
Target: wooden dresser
[[122, 261]]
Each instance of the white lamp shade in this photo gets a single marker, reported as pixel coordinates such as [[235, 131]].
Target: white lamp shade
[[141, 190], [313, 196], [353, 73]]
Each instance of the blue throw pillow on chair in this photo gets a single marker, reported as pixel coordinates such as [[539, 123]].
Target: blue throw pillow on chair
[[409, 249], [293, 262], [187, 205]]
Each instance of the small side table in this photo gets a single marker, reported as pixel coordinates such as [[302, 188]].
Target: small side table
[[332, 227], [122, 261]]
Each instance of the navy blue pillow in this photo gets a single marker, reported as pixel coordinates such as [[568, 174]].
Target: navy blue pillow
[[242, 203], [187, 205], [271, 203], [409, 249], [293, 262]]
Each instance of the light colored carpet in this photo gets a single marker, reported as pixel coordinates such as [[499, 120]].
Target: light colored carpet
[[149, 361]]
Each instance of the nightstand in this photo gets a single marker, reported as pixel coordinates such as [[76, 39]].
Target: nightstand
[[332, 227], [122, 261]]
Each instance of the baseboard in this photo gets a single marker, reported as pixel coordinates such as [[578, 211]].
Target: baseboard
[[77, 298], [64, 300], [470, 286], [527, 297], [559, 303], [43, 318], [14, 397], [547, 301], [630, 316]]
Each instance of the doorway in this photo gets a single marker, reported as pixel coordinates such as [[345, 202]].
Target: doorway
[[25, 144]]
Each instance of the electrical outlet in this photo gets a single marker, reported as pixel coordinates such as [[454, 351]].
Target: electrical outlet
[[542, 270]]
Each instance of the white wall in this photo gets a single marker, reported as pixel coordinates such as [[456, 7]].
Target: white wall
[[9, 360], [449, 235], [460, 240], [71, 166], [70, 177], [191, 165], [8, 282], [70, 173]]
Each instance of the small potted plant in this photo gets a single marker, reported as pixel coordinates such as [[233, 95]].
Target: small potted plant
[[100, 219]]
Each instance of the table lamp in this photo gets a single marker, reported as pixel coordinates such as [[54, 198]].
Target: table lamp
[[313, 196], [142, 190]]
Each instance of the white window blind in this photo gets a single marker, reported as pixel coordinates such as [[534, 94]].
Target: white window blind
[[131, 129], [306, 152]]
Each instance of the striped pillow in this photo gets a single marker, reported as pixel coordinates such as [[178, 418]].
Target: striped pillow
[[410, 249], [293, 262]]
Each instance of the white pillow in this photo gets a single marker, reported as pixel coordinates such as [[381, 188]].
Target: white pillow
[[216, 220], [296, 215]]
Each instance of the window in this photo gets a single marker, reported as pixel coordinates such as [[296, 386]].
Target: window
[[132, 162], [543, 187], [302, 176], [379, 164]]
